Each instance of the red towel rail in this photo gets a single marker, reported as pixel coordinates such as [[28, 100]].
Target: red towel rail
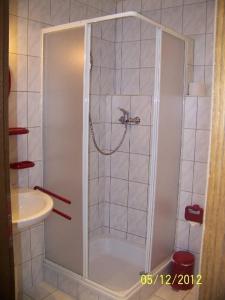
[[52, 194], [61, 214]]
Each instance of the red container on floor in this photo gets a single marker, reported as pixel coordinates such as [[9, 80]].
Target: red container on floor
[[182, 272]]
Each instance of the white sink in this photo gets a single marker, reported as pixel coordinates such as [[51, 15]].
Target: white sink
[[29, 207]]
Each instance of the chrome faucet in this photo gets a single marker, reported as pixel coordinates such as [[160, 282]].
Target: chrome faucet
[[126, 119]]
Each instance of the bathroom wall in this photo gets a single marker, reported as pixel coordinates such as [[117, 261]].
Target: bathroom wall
[[194, 18], [27, 18]]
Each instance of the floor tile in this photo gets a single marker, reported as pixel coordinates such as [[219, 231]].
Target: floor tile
[[40, 291], [167, 293], [58, 295]]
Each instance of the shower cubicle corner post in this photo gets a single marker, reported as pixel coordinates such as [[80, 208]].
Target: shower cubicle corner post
[[86, 93], [154, 144]]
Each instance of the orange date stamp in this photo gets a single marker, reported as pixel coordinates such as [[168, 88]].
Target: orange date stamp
[[150, 279]]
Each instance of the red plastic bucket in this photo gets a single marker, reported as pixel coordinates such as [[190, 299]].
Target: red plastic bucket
[[182, 271]]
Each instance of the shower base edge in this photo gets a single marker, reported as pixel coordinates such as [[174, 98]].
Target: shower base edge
[[88, 287]]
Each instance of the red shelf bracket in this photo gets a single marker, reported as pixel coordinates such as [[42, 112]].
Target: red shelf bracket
[[22, 165], [18, 131]]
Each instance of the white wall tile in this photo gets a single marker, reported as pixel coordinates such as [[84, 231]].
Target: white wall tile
[[136, 239], [210, 16], [107, 81], [185, 199], [199, 73], [21, 247], [18, 68], [200, 177], [37, 269], [151, 5], [188, 145], [18, 109], [34, 37], [19, 8], [60, 11], [182, 235], [130, 81], [119, 165], [35, 144], [199, 49], [195, 238], [17, 35], [26, 275], [119, 191], [95, 80], [194, 18], [148, 31], [94, 220], [209, 49], [108, 30], [131, 29], [78, 11], [132, 5], [116, 137], [139, 165], [107, 51], [138, 195], [140, 140], [208, 80], [118, 217], [93, 191], [171, 3], [202, 145], [204, 113], [147, 76], [141, 107], [190, 117], [34, 74], [131, 54], [148, 53], [18, 148], [187, 169], [39, 10], [36, 175], [34, 109], [137, 222], [172, 17], [37, 240]]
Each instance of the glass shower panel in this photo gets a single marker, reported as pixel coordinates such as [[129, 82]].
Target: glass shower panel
[[122, 84], [62, 133], [169, 131]]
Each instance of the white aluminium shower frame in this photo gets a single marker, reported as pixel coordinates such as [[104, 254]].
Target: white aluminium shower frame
[[86, 89]]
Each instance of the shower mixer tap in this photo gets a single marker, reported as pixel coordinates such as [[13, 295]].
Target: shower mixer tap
[[126, 119]]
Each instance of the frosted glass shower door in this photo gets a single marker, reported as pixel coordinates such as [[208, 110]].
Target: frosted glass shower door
[[63, 68], [167, 150]]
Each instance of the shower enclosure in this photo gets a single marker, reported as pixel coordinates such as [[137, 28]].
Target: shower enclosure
[[112, 117]]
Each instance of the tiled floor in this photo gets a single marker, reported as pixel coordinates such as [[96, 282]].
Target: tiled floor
[[46, 292]]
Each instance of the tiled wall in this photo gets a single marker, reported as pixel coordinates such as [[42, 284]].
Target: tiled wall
[[28, 249]]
